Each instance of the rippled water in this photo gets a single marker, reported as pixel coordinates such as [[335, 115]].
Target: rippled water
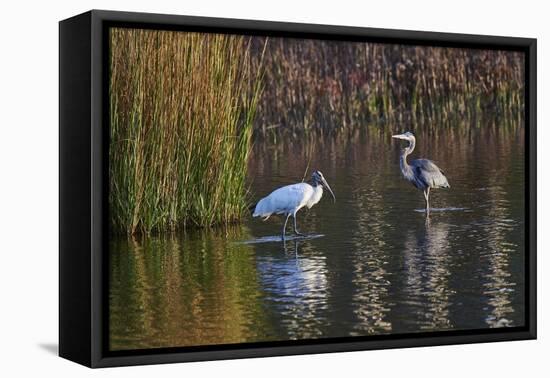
[[375, 265]]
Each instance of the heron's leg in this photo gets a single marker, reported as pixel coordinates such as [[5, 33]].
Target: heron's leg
[[295, 228], [427, 194], [284, 226]]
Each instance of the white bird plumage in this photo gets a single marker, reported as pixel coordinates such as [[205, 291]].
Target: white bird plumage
[[288, 200]]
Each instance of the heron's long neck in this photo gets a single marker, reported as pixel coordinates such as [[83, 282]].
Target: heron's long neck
[[405, 167]]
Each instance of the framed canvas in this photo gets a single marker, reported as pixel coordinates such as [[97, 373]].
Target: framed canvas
[[234, 188]]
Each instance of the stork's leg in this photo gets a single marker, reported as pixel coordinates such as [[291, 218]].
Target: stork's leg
[[295, 228], [284, 227]]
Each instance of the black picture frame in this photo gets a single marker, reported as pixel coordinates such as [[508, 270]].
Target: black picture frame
[[83, 169]]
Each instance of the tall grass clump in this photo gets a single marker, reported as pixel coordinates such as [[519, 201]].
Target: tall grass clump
[[323, 85], [182, 107]]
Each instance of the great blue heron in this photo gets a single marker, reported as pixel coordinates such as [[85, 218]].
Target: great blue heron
[[291, 198], [422, 173]]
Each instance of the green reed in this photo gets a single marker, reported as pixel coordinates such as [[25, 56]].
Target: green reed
[[323, 86], [182, 107]]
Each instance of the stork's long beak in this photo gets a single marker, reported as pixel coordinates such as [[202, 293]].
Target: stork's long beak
[[400, 136], [325, 184]]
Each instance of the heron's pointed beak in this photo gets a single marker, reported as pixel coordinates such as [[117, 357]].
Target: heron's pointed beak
[[325, 184], [399, 136]]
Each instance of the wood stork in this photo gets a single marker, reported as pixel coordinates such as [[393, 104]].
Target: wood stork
[[422, 173], [291, 198]]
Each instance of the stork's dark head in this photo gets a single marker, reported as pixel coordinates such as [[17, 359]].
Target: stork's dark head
[[317, 178]]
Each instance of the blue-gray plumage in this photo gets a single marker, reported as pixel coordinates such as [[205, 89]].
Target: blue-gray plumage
[[422, 173]]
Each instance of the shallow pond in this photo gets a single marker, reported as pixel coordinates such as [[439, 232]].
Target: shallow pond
[[375, 265]]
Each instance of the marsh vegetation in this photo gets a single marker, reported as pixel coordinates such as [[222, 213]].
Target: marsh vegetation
[[186, 109], [326, 86], [182, 107]]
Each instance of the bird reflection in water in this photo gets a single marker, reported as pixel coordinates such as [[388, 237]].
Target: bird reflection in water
[[296, 286], [426, 261]]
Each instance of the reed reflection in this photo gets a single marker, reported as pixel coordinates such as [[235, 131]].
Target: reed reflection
[[370, 276], [165, 289], [497, 285]]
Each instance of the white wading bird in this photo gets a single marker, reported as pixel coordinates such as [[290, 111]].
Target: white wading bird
[[291, 198], [422, 173]]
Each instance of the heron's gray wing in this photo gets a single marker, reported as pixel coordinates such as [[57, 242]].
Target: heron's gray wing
[[430, 174], [426, 165]]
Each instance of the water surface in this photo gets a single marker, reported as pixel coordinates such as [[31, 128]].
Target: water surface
[[376, 265]]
